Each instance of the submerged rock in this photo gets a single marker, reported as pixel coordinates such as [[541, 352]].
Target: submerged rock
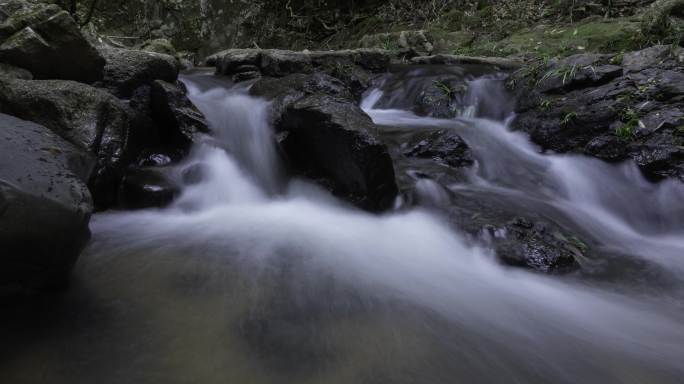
[[538, 246], [45, 40], [443, 146], [146, 188], [45, 206]]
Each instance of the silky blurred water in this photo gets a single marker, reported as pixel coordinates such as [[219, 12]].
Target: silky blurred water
[[250, 277]]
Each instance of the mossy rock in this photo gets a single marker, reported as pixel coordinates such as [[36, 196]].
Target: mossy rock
[[162, 46], [616, 35]]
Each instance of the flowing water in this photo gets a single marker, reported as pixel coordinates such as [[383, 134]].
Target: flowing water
[[252, 277]]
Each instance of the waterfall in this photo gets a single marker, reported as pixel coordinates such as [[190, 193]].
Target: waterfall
[[253, 277]]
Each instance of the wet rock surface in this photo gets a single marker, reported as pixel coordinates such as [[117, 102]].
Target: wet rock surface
[[356, 68], [147, 187], [87, 117], [45, 206], [325, 136], [128, 69], [443, 146], [334, 142], [611, 107], [432, 162], [178, 118], [45, 40]]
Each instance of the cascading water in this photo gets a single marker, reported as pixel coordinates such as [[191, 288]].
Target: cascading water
[[248, 278]]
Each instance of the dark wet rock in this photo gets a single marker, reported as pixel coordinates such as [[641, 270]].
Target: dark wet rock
[[563, 79], [443, 146], [45, 206], [88, 117], [148, 187], [335, 143], [660, 155], [285, 91], [584, 104], [537, 246], [568, 127], [126, 69], [180, 123], [45, 40], [607, 147], [670, 117], [646, 58], [154, 159], [245, 76], [12, 72], [354, 67], [545, 245], [326, 137], [443, 59], [442, 99]]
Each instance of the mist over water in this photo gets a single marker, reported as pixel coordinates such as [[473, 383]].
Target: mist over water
[[253, 278]]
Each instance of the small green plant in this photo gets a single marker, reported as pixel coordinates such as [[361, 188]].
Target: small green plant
[[568, 118], [566, 73], [545, 105], [445, 88], [625, 131], [630, 120], [617, 59]]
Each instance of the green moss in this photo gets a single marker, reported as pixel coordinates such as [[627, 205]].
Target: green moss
[[615, 35]]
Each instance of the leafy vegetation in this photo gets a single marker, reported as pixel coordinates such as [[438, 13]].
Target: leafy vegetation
[[568, 118], [630, 120]]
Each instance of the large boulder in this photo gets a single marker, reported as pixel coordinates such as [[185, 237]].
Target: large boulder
[[45, 206], [88, 117], [181, 122], [127, 69], [334, 142], [12, 72], [328, 138], [45, 40]]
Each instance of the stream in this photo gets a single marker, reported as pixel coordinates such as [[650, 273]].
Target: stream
[[252, 276]]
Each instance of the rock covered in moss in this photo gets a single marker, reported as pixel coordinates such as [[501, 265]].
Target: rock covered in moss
[[45, 40], [414, 43]]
